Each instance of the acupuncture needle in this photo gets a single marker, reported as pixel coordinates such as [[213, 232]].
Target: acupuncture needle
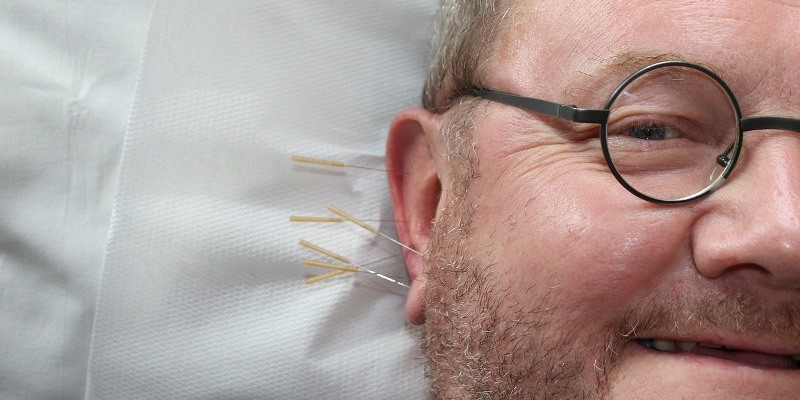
[[319, 278], [303, 218], [368, 227], [330, 163], [348, 267], [334, 220], [383, 276], [340, 269]]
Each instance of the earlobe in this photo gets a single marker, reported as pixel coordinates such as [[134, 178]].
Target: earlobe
[[416, 189]]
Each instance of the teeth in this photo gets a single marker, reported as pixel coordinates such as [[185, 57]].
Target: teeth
[[687, 346], [665, 345], [670, 345]]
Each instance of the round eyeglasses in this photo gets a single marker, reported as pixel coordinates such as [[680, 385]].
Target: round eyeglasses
[[670, 133]]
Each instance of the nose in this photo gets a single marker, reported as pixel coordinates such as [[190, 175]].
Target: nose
[[751, 226]]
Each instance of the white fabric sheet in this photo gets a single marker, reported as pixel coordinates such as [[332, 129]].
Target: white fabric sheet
[[202, 292], [202, 295], [67, 74]]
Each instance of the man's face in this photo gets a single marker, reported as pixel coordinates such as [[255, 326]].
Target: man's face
[[562, 281]]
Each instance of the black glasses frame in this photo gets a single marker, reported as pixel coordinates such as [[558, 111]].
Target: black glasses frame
[[572, 113]]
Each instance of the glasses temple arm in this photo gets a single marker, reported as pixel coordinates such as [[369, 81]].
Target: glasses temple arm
[[758, 123], [561, 111], [769, 122]]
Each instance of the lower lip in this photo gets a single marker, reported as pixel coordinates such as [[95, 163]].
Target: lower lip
[[705, 361], [642, 373]]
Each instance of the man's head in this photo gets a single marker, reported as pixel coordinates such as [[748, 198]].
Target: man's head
[[543, 277]]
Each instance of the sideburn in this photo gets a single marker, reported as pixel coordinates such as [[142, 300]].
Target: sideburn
[[479, 343]]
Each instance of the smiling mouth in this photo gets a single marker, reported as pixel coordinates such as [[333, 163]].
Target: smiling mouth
[[741, 356]]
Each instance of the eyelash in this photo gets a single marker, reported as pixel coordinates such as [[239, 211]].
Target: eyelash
[[647, 130], [641, 128]]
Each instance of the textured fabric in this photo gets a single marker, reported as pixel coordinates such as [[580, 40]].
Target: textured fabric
[[67, 75], [202, 295]]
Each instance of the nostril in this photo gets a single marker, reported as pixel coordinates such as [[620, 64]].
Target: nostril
[[751, 272]]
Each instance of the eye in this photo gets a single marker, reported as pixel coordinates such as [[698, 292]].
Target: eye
[[651, 131]]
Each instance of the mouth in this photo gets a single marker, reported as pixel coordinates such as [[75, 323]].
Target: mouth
[[754, 358]]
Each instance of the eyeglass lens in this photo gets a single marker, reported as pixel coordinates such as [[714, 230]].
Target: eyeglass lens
[[666, 130]]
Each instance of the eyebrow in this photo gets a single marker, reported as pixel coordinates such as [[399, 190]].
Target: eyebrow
[[602, 79], [633, 61]]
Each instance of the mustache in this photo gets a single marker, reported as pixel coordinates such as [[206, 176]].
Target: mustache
[[713, 311], [722, 313]]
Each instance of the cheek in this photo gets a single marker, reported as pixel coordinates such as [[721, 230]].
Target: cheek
[[567, 228]]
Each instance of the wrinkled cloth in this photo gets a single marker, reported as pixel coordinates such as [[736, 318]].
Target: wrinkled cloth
[[146, 185], [67, 76], [203, 292]]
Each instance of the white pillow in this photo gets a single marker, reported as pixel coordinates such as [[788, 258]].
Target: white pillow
[[203, 292], [67, 74]]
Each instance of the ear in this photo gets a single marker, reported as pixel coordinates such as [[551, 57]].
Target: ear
[[416, 189]]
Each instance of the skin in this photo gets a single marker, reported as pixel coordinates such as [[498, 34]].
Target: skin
[[570, 265]]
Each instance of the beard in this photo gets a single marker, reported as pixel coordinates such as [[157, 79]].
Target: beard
[[481, 343], [485, 339]]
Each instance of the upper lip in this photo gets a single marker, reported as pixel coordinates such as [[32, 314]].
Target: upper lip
[[766, 344]]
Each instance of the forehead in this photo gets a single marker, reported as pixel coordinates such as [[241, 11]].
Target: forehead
[[574, 48]]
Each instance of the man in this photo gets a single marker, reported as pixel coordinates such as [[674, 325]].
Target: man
[[646, 248]]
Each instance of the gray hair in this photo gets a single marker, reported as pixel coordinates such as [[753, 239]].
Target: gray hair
[[464, 38]]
